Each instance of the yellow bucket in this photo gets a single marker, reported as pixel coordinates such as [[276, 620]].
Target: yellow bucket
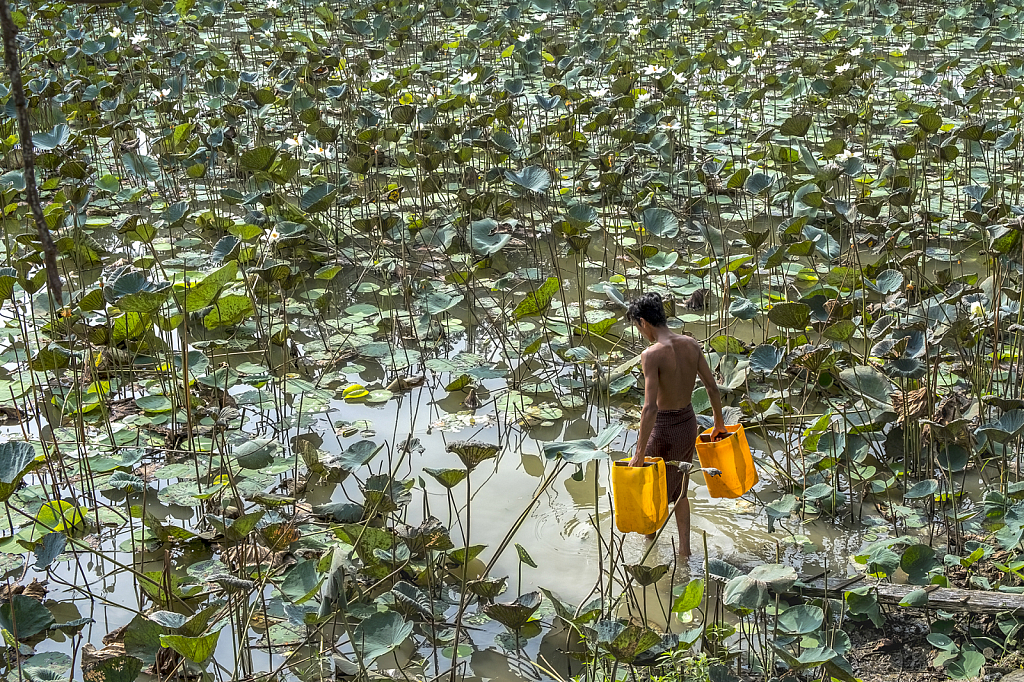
[[640, 495], [731, 456]]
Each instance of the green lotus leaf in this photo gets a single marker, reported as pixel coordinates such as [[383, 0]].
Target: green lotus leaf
[[800, 620], [537, 300], [472, 453], [449, 478], [660, 222], [380, 634], [796, 126], [790, 315], [482, 238], [690, 598], [765, 358], [531, 178], [625, 642], [196, 649], [25, 616], [515, 614], [646, 575]]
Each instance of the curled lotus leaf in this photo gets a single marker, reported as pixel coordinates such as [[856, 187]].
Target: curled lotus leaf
[[647, 575], [385, 495], [488, 588], [1010, 425], [515, 614], [449, 478], [431, 535], [413, 600], [751, 592], [473, 452], [906, 368], [813, 359], [625, 642]]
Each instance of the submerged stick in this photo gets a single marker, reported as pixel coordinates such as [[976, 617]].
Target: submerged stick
[[11, 56]]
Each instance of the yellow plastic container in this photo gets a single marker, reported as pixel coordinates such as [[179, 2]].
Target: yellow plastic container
[[731, 456], [640, 495]]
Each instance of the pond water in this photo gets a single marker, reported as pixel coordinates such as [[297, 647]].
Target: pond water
[[309, 247]]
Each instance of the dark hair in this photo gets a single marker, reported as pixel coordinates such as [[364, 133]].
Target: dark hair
[[648, 307]]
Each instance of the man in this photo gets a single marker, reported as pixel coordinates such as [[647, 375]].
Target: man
[[668, 425]]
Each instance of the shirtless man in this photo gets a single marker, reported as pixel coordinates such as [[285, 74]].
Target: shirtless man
[[668, 425]]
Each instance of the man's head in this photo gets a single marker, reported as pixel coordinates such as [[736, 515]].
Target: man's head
[[647, 313]]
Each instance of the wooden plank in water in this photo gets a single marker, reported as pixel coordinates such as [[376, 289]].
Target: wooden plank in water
[[947, 599]]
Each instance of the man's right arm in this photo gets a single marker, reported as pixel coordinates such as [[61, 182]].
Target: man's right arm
[[650, 412], [711, 386]]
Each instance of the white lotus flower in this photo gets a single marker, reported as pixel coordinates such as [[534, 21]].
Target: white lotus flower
[[160, 94], [643, 97], [272, 4], [598, 93], [734, 61], [654, 70], [673, 125], [760, 54], [635, 21], [856, 52], [467, 77], [820, 14], [977, 309], [846, 155], [294, 141], [540, 17], [116, 31], [634, 33], [843, 67], [139, 38], [523, 38]]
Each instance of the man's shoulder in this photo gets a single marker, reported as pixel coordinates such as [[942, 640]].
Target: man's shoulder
[[686, 340], [651, 354]]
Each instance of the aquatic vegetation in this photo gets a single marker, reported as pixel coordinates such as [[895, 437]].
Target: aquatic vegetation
[[301, 244]]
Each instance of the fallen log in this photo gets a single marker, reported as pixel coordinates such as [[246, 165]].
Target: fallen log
[[947, 599]]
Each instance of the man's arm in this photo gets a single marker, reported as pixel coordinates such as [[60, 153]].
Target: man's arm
[[711, 386], [650, 411]]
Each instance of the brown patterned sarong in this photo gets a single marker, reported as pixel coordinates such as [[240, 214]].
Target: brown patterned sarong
[[673, 439]]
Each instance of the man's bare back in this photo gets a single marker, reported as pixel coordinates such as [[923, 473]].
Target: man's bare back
[[668, 425], [674, 361]]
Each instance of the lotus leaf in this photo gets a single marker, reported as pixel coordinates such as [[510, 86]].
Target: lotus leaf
[[449, 478], [488, 588], [690, 598], [646, 575], [115, 669], [869, 383], [196, 649], [472, 453], [524, 556], [516, 614], [625, 642], [765, 358], [584, 450], [380, 634], [538, 300], [800, 620], [790, 315], [531, 178]]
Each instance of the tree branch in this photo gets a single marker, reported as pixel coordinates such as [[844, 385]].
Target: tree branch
[[13, 59]]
